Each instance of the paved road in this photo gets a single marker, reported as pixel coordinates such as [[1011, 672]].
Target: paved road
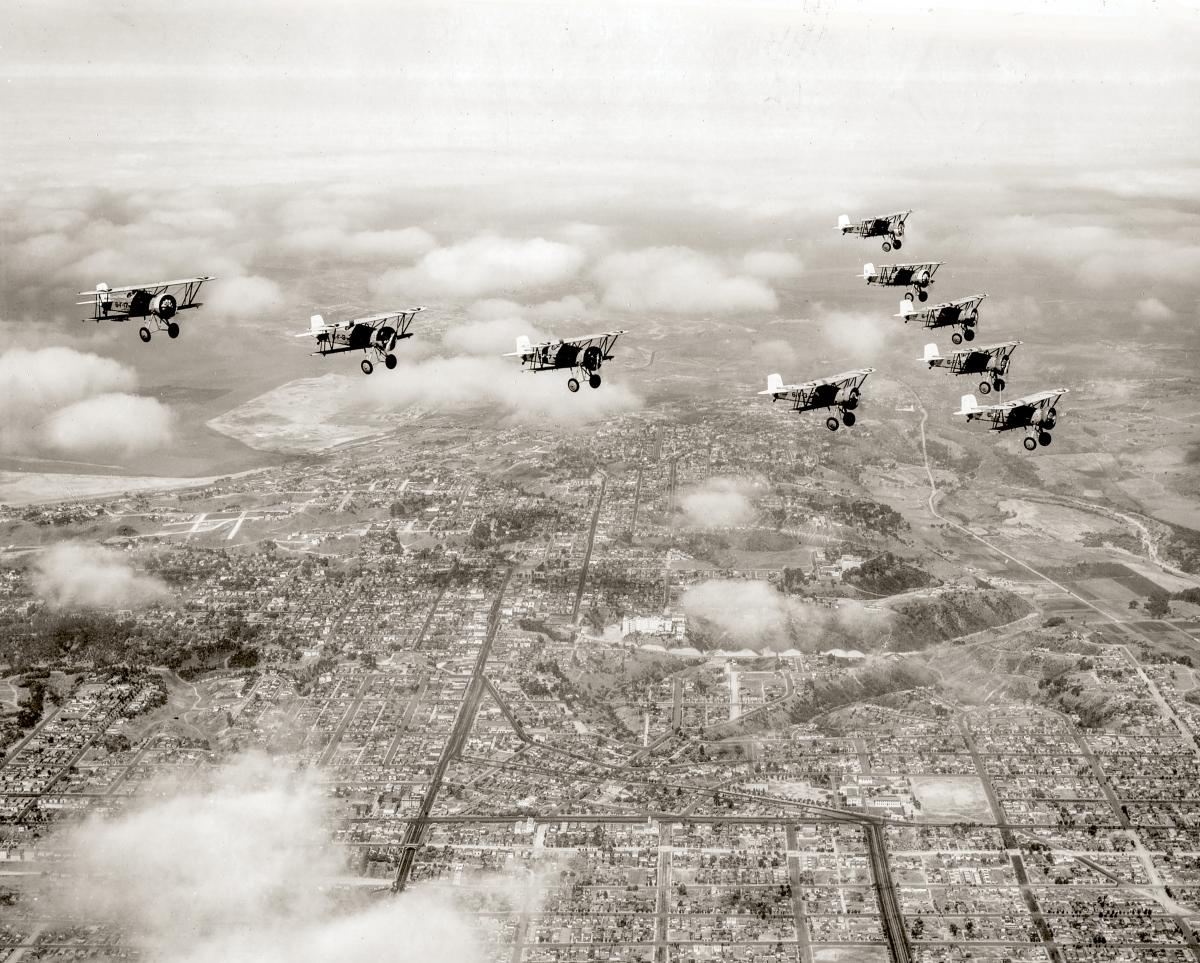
[[453, 747], [587, 557]]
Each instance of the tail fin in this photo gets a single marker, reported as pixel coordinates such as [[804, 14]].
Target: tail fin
[[931, 353], [843, 221], [524, 345], [774, 382], [969, 405], [316, 324], [868, 269], [906, 308]]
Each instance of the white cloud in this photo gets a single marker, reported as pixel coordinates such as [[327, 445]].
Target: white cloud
[[398, 244], [237, 865], [465, 383], [719, 502], [565, 308], [489, 337], [483, 265], [681, 280], [856, 336], [109, 424], [242, 298], [83, 574], [753, 613], [1152, 309], [63, 401], [772, 264]]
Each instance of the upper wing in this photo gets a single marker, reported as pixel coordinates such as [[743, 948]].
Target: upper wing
[[1040, 399], [579, 340], [378, 318], [153, 286], [846, 377]]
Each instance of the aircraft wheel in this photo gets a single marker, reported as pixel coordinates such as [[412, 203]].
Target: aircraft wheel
[[998, 384], [984, 388], [390, 361], [1044, 439], [956, 338], [1030, 443], [572, 384], [886, 247], [172, 330], [851, 403], [594, 381], [969, 334], [908, 295], [896, 243], [144, 334], [922, 295], [848, 418], [831, 423], [366, 366]]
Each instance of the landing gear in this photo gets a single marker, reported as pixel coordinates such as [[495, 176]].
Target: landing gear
[[1044, 439], [172, 330], [594, 381], [366, 366], [969, 334], [390, 361], [572, 384], [956, 338], [985, 388], [1030, 443], [886, 247], [998, 384], [922, 295], [848, 418], [144, 334], [831, 423], [896, 243]]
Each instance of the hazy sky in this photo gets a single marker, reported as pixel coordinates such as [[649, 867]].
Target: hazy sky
[[674, 168]]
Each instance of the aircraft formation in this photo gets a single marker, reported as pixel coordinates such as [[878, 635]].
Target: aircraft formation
[[157, 305], [1036, 413]]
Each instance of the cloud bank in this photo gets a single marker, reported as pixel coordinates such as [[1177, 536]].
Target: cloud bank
[[66, 402], [753, 613], [681, 280], [719, 502], [237, 866], [86, 575]]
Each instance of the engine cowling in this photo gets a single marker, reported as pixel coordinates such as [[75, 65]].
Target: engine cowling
[[847, 398], [922, 278], [1045, 419], [593, 357], [164, 306]]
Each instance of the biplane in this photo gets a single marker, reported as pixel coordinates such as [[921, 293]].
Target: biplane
[[890, 227], [157, 302], [583, 356], [915, 277], [989, 360], [963, 313], [375, 335], [1036, 412], [840, 391]]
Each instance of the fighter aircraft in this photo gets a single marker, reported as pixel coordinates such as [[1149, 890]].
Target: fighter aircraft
[[839, 391], [890, 227], [583, 355], [1037, 412], [989, 360], [963, 313], [377, 334], [155, 302], [916, 277]]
